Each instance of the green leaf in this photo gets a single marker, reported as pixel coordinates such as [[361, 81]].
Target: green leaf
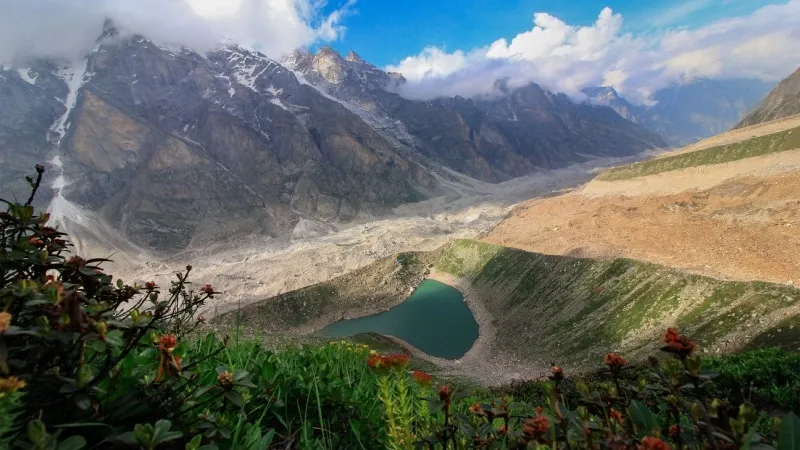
[[435, 406], [194, 444], [644, 420], [72, 443], [128, 438], [83, 401], [235, 398], [36, 430], [789, 433], [163, 425], [114, 337]]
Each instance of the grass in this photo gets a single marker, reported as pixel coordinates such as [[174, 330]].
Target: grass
[[574, 309], [758, 146]]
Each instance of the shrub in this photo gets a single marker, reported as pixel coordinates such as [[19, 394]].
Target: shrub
[[89, 361]]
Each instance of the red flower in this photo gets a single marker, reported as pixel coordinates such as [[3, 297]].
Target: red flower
[[653, 443], [374, 362], [535, 427], [35, 241], [616, 415], [674, 431], [76, 261], [207, 289], [398, 361], [503, 429], [615, 362], [539, 410], [168, 343], [422, 378], [445, 394], [201, 319], [558, 373], [150, 285], [680, 345]]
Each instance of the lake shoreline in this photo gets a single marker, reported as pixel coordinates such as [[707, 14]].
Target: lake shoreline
[[482, 363]]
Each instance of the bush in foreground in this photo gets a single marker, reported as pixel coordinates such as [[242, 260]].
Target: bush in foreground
[[87, 361]]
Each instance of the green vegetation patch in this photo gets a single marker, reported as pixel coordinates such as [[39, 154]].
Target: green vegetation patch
[[571, 310], [772, 143]]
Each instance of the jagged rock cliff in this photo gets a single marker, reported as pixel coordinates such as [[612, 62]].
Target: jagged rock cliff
[[172, 148], [492, 139], [783, 101]]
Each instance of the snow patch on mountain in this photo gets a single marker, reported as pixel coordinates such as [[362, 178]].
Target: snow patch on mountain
[[75, 76], [25, 74]]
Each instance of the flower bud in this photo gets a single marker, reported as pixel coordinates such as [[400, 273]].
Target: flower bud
[[697, 411]]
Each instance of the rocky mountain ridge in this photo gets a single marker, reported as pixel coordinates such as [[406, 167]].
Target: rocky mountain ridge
[[173, 149], [490, 139], [684, 113], [783, 101]]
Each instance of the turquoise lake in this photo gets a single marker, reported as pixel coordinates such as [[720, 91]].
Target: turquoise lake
[[435, 319]]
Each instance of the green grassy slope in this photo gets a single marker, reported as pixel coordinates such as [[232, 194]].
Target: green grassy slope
[[558, 309], [573, 309], [771, 143]]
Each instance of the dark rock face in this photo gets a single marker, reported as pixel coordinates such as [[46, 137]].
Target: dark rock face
[[31, 101], [686, 113], [490, 139], [173, 148], [783, 101], [166, 142]]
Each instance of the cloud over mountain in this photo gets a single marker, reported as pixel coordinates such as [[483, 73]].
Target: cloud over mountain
[[566, 58], [67, 29]]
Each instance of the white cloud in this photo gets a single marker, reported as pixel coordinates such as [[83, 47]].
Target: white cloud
[[566, 58], [67, 29]]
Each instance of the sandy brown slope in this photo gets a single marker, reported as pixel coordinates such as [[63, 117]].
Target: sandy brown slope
[[739, 220]]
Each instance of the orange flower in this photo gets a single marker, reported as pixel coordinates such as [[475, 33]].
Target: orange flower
[[476, 409], [558, 373], [616, 415], [503, 429], [168, 343], [674, 431], [653, 443], [10, 384], [5, 321], [680, 345], [539, 410], [225, 379], [422, 378]]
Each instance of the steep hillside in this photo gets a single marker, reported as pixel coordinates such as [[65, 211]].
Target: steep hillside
[[757, 146], [729, 211], [536, 309], [783, 101], [687, 112]]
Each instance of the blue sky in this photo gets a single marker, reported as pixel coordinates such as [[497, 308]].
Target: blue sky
[[384, 32], [451, 47]]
